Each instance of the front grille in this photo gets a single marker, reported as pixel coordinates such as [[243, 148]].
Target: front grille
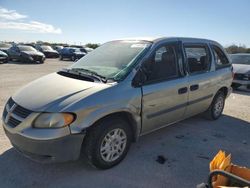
[[12, 122], [241, 76], [22, 112], [14, 114]]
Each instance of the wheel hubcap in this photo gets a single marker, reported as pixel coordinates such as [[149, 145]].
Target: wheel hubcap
[[218, 107], [113, 145]]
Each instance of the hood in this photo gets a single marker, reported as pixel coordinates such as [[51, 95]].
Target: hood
[[3, 53], [241, 68], [54, 92], [32, 53], [4, 49]]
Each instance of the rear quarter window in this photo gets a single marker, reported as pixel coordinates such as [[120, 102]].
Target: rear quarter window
[[220, 57]]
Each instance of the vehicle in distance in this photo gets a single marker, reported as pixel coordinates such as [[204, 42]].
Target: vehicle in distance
[[58, 48], [71, 53], [123, 89], [3, 57], [4, 47], [48, 51], [241, 66], [88, 49], [25, 54]]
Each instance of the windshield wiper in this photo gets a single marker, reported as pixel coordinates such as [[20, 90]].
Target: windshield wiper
[[90, 73]]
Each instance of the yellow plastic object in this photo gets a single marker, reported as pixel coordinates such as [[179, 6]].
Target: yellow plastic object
[[223, 162]]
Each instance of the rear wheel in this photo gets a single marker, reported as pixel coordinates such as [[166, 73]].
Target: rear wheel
[[107, 143], [216, 108]]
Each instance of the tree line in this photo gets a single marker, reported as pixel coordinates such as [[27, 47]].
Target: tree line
[[234, 49]]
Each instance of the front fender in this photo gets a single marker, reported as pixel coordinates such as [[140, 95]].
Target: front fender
[[89, 116]]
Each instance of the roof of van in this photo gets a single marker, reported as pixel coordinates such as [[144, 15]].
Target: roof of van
[[156, 39]]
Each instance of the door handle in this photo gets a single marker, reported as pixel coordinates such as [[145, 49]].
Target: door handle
[[194, 87], [182, 90]]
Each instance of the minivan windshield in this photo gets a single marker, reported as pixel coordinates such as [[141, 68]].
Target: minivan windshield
[[240, 59], [113, 60]]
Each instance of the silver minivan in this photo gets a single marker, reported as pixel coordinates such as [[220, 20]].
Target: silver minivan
[[112, 96]]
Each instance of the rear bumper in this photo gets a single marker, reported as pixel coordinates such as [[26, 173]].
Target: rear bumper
[[66, 148], [242, 82]]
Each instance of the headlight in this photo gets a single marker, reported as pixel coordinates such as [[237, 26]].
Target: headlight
[[53, 120]]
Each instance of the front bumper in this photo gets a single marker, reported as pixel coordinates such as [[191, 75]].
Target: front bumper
[[3, 58], [66, 148], [51, 54], [33, 59]]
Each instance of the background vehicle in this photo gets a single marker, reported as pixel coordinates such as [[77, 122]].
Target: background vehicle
[[105, 101], [241, 66], [88, 49], [24, 53], [58, 48], [48, 51], [3, 57], [4, 47], [71, 53]]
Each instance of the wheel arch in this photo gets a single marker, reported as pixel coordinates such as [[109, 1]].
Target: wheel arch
[[128, 117], [224, 90]]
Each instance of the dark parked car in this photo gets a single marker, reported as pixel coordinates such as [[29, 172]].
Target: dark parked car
[[4, 47], [3, 57], [25, 53], [71, 53], [58, 48], [48, 51], [241, 66]]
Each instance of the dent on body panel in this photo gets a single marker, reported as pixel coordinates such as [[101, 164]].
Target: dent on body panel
[[120, 98]]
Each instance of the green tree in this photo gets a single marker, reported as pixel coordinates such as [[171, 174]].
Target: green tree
[[92, 45]]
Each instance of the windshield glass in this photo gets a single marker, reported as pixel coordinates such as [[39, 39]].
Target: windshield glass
[[75, 49], [112, 60], [46, 48], [5, 45], [26, 48], [240, 59]]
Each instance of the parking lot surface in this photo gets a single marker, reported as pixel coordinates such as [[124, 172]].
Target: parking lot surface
[[184, 149]]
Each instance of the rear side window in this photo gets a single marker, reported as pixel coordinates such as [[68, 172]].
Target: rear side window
[[220, 57], [198, 58]]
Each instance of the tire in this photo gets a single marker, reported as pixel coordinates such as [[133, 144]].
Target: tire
[[73, 58], [216, 108], [61, 57], [95, 141]]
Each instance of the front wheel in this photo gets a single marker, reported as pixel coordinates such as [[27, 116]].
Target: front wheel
[[216, 108], [107, 142]]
